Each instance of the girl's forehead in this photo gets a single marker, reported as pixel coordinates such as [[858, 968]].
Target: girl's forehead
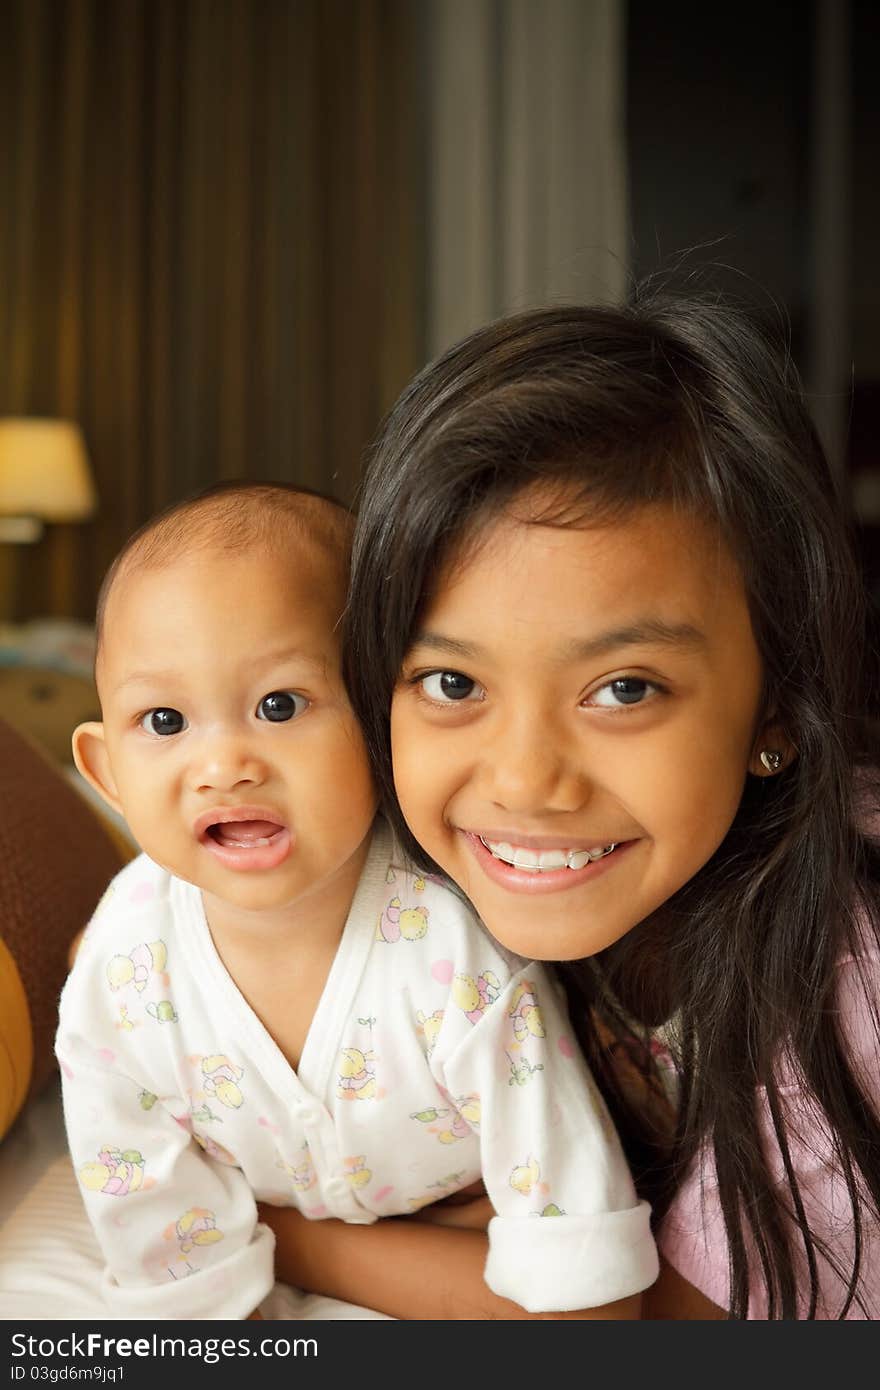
[[534, 529]]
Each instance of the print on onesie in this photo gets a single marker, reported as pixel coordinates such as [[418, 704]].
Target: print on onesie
[[526, 1180], [116, 1172], [399, 923], [182, 1248]]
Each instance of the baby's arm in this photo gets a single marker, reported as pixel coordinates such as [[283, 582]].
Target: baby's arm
[[404, 1267], [569, 1232], [178, 1230]]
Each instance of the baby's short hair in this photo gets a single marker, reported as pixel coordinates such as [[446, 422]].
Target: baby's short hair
[[232, 517]]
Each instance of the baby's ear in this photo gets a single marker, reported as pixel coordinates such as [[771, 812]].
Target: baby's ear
[[93, 762]]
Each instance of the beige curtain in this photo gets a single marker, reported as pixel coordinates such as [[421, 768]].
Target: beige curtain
[[209, 246], [527, 168]]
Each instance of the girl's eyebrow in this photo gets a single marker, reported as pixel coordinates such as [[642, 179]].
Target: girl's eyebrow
[[644, 632]]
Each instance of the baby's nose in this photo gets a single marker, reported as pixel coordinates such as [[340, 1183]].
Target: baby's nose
[[226, 762]]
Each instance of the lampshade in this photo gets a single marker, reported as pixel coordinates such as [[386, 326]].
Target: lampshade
[[44, 470]]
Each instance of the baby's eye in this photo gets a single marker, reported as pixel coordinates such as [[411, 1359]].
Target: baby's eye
[[281, 705], [163, 721], [447, 686], [626, 690]]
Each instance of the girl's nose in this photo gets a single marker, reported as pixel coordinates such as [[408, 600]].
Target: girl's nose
[[527, 768], [225, 762]]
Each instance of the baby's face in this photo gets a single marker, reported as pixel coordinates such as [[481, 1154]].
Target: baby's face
[[236, 758], [570, 691]]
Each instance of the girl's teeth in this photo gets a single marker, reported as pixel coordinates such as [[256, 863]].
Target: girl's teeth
[[554, 859], [533, 861], [526, 859]]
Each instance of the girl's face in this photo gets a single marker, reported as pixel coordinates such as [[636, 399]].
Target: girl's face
[[570, 690]]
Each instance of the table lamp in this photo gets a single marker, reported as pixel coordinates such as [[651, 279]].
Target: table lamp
[[44, 477]]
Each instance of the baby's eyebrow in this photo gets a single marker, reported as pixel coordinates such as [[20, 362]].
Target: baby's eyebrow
[[147, 678], [279, 655], [642, 633], [262, 661]]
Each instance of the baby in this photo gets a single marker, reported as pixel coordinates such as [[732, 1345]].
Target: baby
[[267, 1004]]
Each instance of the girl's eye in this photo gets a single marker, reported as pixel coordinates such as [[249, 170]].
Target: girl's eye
[[281, 705], [163, 721], [626, 690], [448, 686]]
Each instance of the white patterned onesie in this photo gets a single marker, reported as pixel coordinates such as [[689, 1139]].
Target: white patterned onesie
[[434, 1058]]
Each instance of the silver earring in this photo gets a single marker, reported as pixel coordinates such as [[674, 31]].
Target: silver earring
[[771, 759]]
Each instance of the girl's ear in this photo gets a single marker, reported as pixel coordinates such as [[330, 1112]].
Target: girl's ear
[[93, 761], [773, 750]]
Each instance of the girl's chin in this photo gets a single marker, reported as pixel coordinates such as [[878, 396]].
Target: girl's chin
[[550, 936]]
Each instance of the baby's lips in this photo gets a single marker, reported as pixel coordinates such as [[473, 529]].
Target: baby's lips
[[265, 817]]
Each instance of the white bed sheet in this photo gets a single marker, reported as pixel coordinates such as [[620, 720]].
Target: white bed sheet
[[50, 1265]]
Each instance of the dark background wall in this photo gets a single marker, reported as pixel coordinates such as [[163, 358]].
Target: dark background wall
[[718, 139], [724, 127]]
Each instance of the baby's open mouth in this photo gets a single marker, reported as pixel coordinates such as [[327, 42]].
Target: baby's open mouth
[[244, 834], [244, 837]]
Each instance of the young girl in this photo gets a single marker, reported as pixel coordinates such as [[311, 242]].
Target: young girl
[[603, 589]]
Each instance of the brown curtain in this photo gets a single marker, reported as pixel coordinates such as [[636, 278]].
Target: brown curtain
[[209, 246]]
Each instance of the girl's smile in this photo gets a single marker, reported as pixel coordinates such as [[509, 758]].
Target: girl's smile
[[575, 720], [520, 869]]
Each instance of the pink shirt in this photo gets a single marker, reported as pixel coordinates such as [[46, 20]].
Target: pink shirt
[[692, 1236]]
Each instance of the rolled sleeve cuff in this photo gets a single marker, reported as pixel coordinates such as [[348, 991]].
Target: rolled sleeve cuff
[[232, 1289], [557, 1264]]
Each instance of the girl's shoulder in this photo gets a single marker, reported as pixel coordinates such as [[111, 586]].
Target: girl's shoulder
[[866, 801], [857, 974], [857, 982], [692, 1234], [857, 1001]]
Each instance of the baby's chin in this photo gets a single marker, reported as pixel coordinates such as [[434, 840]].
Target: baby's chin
[[243, 896]]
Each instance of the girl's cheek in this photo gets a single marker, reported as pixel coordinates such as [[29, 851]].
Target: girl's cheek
[[408, 736], [402, 755], [416, 778]]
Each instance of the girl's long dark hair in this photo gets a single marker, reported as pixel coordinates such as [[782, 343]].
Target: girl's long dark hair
[[689, 403]]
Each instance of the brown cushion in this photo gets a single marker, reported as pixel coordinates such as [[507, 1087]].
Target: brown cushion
[[55, 862]]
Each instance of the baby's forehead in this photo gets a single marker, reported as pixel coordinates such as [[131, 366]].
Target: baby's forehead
[[309, 567]]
